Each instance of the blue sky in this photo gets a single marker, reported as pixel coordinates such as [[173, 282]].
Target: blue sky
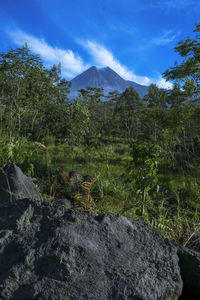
[[135, 38]]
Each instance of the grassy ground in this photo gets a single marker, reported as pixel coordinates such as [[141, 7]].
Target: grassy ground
[[172, 207]]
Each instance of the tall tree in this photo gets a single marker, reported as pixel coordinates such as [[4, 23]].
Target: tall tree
[[29, 93], [188, 71], [156, 97], [185, 96], [127, 108], [94, 96]]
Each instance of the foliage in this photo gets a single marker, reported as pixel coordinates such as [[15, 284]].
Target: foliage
[[127, 110], [32, 98], [156, 97], [188, 71], [20, 151], [143, 170]]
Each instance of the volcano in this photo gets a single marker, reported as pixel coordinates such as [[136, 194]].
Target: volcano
[[104, 78]]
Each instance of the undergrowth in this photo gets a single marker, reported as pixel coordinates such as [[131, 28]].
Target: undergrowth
[[171, 206]]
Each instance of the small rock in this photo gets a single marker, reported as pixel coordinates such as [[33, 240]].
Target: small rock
[[16, 185]]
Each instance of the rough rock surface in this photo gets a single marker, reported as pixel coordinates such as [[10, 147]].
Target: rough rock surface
[[189, 262], [51, 252], [48, 251], [15, 185]]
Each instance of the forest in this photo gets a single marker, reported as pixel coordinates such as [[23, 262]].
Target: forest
[[140, 157]]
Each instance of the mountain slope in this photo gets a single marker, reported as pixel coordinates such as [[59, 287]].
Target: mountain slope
[[106, 78]]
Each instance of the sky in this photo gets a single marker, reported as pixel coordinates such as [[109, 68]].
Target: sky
[[135, 38]]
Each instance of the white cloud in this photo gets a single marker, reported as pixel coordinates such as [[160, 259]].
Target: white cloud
[[103, 58], [166, 38], [162, 83], [71, 63]]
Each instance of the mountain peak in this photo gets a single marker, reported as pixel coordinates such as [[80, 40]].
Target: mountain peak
[[106, 78], [104, 69], [92, 68]]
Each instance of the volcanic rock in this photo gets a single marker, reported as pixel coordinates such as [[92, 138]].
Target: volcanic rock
[[49, 251], [15, 185], [52, 252], [189, 262]]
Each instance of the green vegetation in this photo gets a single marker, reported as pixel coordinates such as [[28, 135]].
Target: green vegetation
[[142, 156]]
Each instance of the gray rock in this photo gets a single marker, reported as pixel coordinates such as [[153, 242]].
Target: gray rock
[[189, 262], [15, 185], [48, 251], [66, 202]]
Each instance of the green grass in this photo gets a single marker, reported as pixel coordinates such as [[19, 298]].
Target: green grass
[[173, 210]]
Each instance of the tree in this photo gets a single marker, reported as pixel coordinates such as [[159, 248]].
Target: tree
[[154, 114], [29, 93], [79, 121], [156, 97], [129, 98], [182, 121], [143, 169], [128, 106], [110, 118], [93, 96], [176, 96], [188, 72]]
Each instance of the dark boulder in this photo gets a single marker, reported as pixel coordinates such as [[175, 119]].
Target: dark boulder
[[48, 251], [189, 262], [51, 252], [15, 185]]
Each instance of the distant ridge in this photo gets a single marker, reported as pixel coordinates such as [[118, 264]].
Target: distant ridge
[[106, 78]]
